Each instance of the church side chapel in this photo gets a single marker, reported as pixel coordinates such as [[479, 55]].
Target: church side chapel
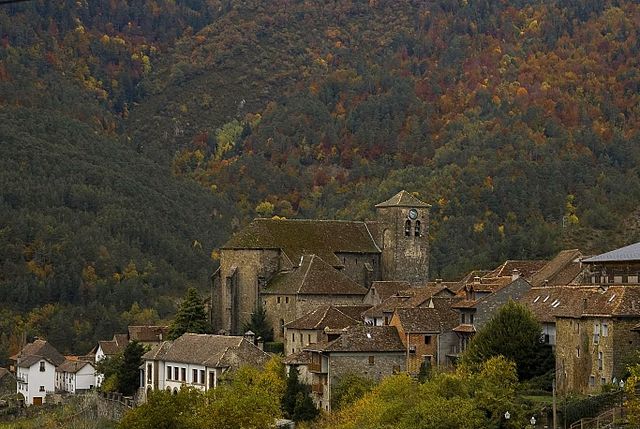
[[292, 266]]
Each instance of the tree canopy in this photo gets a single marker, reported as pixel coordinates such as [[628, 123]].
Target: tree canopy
[[191, 316], [525, 346]]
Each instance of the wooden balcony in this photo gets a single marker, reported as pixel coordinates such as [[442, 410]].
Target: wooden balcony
[[315, 367]]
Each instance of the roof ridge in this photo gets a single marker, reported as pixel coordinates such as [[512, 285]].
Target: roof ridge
[[304, 278]]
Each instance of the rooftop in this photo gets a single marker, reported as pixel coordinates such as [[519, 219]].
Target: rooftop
[[363, 338], [37, 350], [298, 237], [325, 316], [403, 199], [313, 277]]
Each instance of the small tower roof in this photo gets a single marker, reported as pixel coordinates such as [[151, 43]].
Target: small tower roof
[[403, 199]]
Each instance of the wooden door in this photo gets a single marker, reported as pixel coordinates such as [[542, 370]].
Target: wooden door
[[37, 400]]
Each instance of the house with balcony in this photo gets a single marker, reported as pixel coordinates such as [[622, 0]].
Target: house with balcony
[[374, 352], [197, 360], [36, 371]]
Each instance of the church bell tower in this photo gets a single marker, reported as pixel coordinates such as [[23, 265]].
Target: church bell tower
[[405, 239]]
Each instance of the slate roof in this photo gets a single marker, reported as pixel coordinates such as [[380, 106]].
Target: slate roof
[[325, 316], [72, 366], [213, 351], [363, 338], [354, 311], [560, 270], [313, 277], [298, 237], [623, 254], [37, 350], [148, 333], [403, 199]]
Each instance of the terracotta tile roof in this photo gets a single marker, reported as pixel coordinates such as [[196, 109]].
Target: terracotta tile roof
[[148, 333], [299, 237], [547, 303], [385, 289], [353, 311], [325, 316], [403, 199], [363, 338], [427, 319], [464, 329], [213, 351], [623, 254], [413, 297], [299, 358], [313, 277], [561, 270], [37, 350], [72, 366], [525, 268]]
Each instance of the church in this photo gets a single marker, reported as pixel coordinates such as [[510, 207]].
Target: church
[[292, 266]]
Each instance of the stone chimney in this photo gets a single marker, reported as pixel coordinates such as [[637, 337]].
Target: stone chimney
[[438, 281], [515, 275], [476, 280], [250, 336]]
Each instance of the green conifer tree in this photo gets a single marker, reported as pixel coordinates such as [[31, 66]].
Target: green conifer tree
[[191, 317], [296, 402], [259, 325], [128, 371]]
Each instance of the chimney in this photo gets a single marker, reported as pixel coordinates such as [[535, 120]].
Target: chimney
[[546, 282], [476, 280], [250, 336], [515, 274], [260, 342], [438, 281]]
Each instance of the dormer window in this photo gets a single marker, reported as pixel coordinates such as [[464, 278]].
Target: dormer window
[[407, 228], [417, 229]]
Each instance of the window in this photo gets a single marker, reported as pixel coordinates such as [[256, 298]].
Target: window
[[278, 300], [212, 379], [42, 368], [372, 360], [169, 373], [592, 380], [286, 300], [194, 375], [176, 373], [281, 326], [183, 374], [293, 338], [149, 370], [417, 229], [309, 339], [471, 319], [578, 351], [407, 228], [600, 361], [41, 389], [202, 376], [427, 339], [596, 333], [605, 330], [463, 318]]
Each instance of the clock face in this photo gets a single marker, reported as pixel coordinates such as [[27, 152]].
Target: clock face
[[413, 214]]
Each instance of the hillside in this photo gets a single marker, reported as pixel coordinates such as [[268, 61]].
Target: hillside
[[138, 135]]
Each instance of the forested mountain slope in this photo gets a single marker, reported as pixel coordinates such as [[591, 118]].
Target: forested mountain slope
[[143, 132]]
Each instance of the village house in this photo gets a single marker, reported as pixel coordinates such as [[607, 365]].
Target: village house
[[380, 314], [7, 382], [324, 323], [427, 333], [197, 360], [270, 260], [75, 375], [36, 371], [374, 352]]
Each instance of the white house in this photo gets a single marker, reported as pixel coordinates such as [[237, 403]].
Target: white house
[[197, 360], [75, 375], [36, 371]]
